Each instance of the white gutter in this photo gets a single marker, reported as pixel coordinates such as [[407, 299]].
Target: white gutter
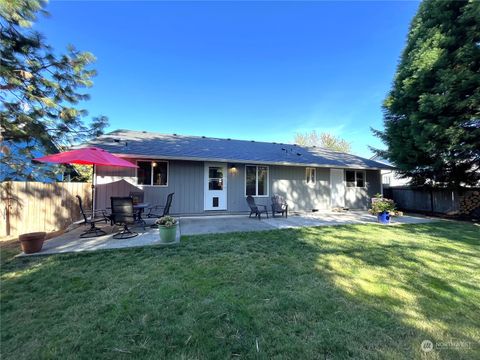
[[283, 163]]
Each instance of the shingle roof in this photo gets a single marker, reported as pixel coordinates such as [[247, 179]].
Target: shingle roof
[[144, 144], [381, 160]]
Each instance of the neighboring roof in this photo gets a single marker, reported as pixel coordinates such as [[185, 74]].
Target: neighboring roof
[[29, 171], [142, 144]]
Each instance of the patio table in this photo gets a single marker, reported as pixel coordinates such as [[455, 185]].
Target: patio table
[[139, 209]]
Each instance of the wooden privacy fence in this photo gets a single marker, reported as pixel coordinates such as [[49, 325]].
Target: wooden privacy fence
[[434, 200], [34, 206]]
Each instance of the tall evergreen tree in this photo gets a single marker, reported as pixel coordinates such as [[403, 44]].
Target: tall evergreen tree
[[432, 113], [40, 90]]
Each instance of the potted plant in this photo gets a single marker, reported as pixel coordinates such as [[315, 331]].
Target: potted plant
[[167, 226], [382, 208], [32, 242]]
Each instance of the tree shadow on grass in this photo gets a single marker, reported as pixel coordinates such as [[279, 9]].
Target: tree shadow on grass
[[329, 292]]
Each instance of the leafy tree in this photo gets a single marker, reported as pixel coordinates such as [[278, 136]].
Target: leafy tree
[[432, 113], [40, 91], [83, 173], [324, 139]]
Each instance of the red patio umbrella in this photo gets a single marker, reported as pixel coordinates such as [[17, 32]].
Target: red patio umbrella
[[87, 156]]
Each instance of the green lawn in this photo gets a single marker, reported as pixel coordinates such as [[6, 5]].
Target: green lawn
[[358, 291]]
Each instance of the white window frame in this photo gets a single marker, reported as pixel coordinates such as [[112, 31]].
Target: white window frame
[[355, 172], [151, 172], [223, 178], [256, 181], [314, 175]]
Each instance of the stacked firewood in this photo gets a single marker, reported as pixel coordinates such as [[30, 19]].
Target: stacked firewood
[[470, 202]]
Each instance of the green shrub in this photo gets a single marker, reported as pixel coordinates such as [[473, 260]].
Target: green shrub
[[380, 205]]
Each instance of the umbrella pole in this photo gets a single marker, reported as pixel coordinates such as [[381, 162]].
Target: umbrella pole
[[93, 191]]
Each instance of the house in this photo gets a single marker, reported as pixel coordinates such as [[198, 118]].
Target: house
[[390, 177], [19, 166], [212, 175]]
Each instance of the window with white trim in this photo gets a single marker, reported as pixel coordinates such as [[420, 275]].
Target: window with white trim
[[256, 180], [355, 178], [152, 173], [386, 179], [310, 175]]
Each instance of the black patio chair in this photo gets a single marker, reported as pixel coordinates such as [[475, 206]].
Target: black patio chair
[[279, 206], [254, 208], [159, 211], [91, 218], [123, 214]]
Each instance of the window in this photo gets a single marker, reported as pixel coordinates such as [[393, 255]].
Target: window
[[360, 175], [215, 178], [386, 179], [152, 173], [256, 180], [262, 181], [311, 175], [355, 178]]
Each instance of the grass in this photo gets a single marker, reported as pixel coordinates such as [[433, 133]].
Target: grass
[[356, 291]]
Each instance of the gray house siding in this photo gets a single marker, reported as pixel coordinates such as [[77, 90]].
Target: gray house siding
[[112, 181], [356, 198], [290, 182], [186, 180], [287, 181], [236, 190]]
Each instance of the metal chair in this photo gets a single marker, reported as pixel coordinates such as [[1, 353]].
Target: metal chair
[[254, 208], [279, 206], [123, 214], [137, 196], [159, 211], [89, 218]]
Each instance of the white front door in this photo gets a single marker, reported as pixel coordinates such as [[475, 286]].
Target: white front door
[[215, 186], [337, 188]]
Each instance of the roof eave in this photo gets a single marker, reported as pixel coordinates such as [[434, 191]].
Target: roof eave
[[256, 162]]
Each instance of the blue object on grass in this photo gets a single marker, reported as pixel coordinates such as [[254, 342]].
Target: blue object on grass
[[384, 218]]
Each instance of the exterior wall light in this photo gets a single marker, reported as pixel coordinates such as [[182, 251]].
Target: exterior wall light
[[232, 169]]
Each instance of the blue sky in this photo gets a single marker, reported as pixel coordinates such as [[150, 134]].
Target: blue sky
[[261, 71]]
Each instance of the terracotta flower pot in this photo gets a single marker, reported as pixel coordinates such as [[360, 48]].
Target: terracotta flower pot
[[32, 242]]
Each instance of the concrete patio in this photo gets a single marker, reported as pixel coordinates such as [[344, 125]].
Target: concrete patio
[[71, 241]]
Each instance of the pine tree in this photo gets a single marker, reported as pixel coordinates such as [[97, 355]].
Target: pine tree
[[40, 90], [432, 113]]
